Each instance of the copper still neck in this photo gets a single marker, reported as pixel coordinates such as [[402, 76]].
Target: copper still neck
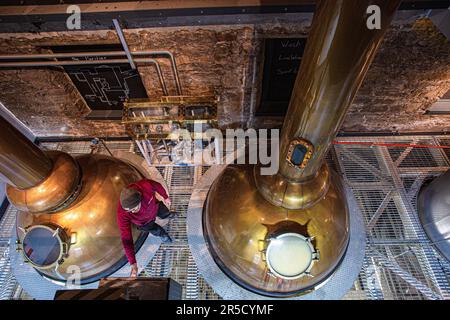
[[37, 181], [340, 49], [22, 163]]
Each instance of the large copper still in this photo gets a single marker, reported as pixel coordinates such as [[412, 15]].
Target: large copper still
[[285, 234], [67, 219]]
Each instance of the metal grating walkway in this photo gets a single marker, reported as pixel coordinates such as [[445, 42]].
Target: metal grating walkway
[[400, 261]]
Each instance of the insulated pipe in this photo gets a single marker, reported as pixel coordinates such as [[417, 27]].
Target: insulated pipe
[[87, 62], [100, 54], [22, 163]]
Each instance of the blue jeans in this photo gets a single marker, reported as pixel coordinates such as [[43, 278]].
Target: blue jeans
[[154, 228]]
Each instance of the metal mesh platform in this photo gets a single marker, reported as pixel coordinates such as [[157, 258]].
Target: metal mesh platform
[[400, 261]]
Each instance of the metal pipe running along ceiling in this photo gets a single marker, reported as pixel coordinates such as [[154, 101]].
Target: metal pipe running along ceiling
[[6, 63]]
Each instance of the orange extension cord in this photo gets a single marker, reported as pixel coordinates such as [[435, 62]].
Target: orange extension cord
[[378, 144]]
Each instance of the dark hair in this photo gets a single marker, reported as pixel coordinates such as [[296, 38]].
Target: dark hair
[[130, 198]]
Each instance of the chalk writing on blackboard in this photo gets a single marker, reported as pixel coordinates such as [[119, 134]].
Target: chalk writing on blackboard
[[292, 43], [282, 72], [103, 86], [282, 59], [290, 57]]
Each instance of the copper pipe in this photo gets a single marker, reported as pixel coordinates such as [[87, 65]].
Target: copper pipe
[[22, 163], [339, 52], [305, 197]]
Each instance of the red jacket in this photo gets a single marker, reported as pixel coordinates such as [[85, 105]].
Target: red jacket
[[147, 213]]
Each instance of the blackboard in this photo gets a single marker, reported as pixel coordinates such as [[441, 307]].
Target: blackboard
[[103, 86], [282, 58]]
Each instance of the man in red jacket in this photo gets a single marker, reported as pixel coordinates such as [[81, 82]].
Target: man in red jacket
[[139, 205]]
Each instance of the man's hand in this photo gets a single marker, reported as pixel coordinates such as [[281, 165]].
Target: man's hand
[[134, 270], [167, 201]]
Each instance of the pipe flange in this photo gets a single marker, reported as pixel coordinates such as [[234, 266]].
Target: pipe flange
[[290, 194]]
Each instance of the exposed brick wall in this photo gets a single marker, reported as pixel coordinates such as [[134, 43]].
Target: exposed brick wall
[[409, 73], [210, 61]]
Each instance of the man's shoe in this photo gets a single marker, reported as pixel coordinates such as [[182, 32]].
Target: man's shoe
[[172, 215], [169, 215], [166, 239]]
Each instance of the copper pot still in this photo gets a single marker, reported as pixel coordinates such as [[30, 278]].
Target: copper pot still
[[67, 208], [285, 234]]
